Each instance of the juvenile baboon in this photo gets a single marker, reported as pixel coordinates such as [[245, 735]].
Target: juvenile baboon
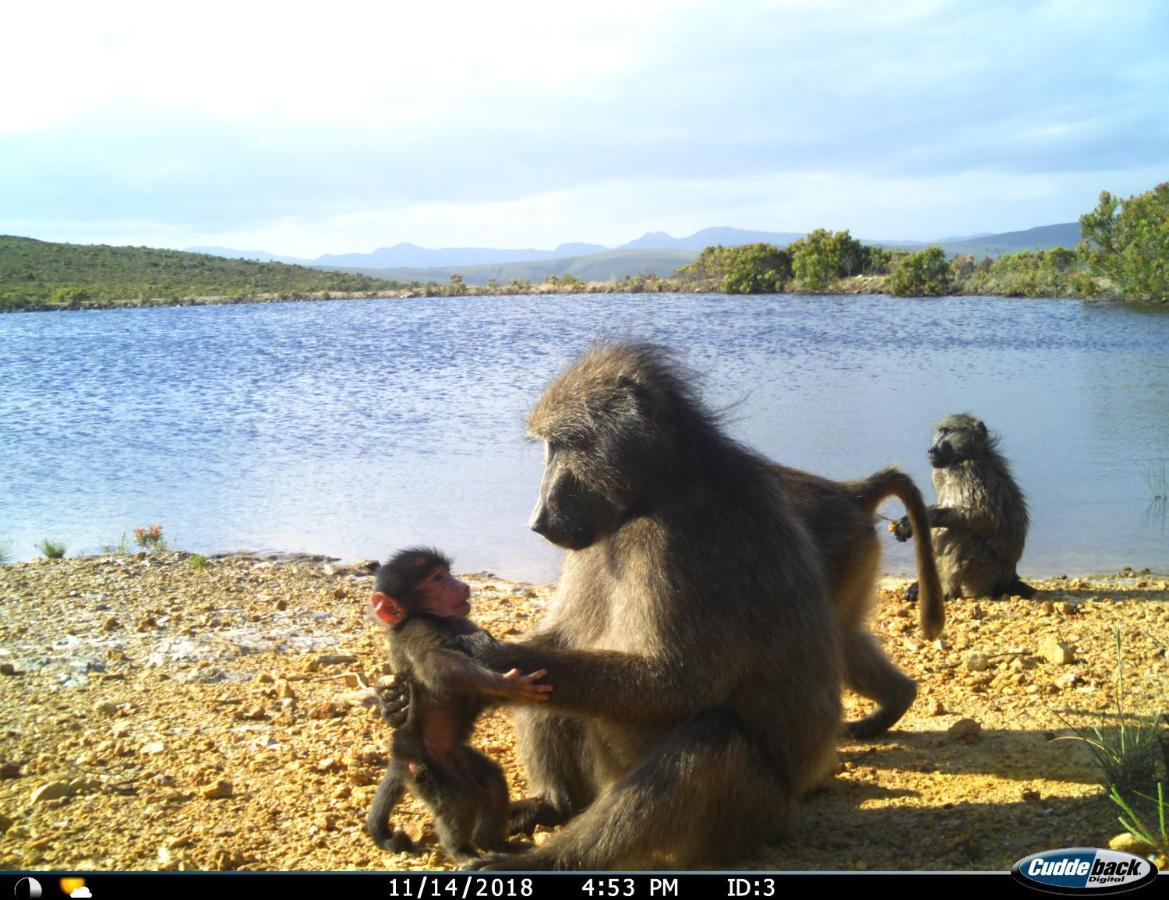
[[980, 519], [840, 517], [694, 652], [435, 649]]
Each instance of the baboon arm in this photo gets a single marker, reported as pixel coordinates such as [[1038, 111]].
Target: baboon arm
[[964, 520], [613, 685]]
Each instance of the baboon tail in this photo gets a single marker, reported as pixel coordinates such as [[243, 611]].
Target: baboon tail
[[892, 482]]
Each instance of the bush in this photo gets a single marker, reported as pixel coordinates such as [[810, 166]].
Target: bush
[[1127, 241], [51, 550], [925, 273]]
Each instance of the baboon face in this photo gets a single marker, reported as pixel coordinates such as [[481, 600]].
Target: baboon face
[[605, 451], [957, 438]]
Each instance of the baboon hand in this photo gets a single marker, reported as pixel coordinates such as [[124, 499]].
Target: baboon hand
[[393, 697], [516, 686], [901, 529]]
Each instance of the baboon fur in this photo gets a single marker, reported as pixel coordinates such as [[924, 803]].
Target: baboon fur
[[980, 519], [840, 517], [691, 642]]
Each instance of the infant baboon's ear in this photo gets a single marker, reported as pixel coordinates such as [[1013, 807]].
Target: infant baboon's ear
[[387, 609]]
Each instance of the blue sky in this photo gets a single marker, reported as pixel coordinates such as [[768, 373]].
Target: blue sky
[[346, 126]]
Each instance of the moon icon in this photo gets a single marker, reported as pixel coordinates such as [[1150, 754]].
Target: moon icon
[[27, 889]]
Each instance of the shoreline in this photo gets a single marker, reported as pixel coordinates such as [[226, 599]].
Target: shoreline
[[856, 286]]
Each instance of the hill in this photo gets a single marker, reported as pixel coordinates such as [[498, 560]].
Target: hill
[[612, 265], [40, 274], [1066, 234]]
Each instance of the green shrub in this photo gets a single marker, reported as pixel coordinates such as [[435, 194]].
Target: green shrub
[[51, 550]]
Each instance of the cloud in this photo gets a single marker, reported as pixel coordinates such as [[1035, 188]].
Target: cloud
[[226, 118]]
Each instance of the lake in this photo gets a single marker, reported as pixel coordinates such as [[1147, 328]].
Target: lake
[[355, 427]]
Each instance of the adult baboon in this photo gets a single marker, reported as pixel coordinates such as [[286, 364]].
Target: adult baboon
[[980, 519], [691, 642], [840, 517]]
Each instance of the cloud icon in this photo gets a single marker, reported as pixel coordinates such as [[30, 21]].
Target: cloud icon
[[82, 893]]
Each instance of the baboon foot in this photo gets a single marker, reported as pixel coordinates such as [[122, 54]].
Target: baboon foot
[[398, 842], [529, 861], [911, 592], [1019, 588], [526, 814]]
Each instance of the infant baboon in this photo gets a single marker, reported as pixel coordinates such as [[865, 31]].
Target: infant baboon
[[436, 650], [697, 670], [840, 517], [980, 519]]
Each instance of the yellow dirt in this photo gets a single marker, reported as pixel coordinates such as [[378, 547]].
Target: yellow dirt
[[217, 716]]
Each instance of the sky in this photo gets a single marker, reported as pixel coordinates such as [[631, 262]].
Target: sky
[[347, 126]]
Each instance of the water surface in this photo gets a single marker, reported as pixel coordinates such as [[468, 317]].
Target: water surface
[[354, 427]]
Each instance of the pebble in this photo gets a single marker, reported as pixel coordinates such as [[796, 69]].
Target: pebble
[[964, 730], [1127, 843], [977, 662], [6, 822], [54, 790], [220, 790], [152, 748], [106, 708], [7, 668], [9, 770], [1056, 652]]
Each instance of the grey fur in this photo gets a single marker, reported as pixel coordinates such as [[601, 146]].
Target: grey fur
[[840, 518], [980, 518], [693, 651]]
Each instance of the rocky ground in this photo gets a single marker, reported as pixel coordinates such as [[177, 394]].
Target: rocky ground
[[167, 712]]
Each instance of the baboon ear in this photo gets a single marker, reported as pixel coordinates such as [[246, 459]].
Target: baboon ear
[[982, 426], [387, 609]]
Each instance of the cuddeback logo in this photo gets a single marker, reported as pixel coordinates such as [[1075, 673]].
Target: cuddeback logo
[[1083, 870]]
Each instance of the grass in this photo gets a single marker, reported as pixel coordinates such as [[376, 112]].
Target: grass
[[51, 550], [122, 548], [3, 553], [1155, 836], [1157, 479], [1128, 757], [198, 563]]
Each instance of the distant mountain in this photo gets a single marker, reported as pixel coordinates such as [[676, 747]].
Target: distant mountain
[[709, 237], [258, 255], [413, 256], [1066, 234], [612, 265], [411, 262]]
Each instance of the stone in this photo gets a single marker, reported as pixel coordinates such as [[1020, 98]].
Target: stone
[[1056, 652], [977, 662], [964, 730], [220, 790], [54, 790]]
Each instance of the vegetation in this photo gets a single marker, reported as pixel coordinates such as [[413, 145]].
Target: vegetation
[[822, 257], [924, 273], [749, 269], [1127, 241], [122, 548], [1125, 254], [197, 562], [41, 275], [149, 537], [50, 550], [3, 553]]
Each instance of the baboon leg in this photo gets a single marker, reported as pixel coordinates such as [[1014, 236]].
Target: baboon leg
[[389, 792], [491, 826], [551, 748], [1020, 588], [705, 794], [870, 673], [454, 804]]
